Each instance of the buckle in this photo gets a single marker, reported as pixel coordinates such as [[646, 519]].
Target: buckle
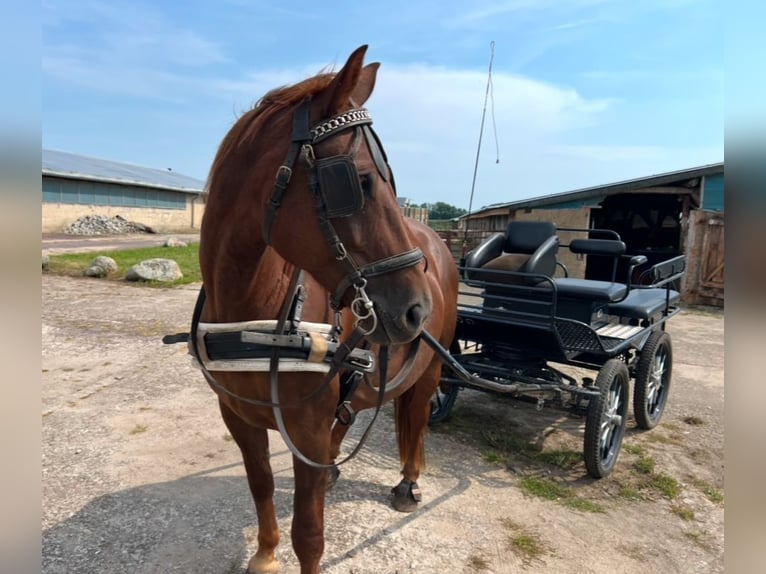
[[284, 174], [345, 414]]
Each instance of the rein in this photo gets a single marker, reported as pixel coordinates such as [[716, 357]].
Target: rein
[[288, 321]]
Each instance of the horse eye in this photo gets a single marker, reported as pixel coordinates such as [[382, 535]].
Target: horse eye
[[366, 182]]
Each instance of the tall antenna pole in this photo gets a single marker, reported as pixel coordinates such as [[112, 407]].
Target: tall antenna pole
[[478, 148]]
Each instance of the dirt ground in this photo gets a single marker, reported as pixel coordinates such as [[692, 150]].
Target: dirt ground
[[140, 475]]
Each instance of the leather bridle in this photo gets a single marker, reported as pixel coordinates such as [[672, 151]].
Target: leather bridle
[[337, 192]]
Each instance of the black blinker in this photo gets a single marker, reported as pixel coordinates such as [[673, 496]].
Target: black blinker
[[340, 186], [376, 150]]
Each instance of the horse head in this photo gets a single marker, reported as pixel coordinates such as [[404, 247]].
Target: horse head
[[332, 208]]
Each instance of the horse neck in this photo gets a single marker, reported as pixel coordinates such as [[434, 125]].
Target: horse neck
[[252, 283]]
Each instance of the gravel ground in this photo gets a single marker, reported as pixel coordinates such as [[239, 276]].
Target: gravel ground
[[140, 475]]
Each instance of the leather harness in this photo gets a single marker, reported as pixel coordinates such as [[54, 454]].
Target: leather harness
[[335, 186]]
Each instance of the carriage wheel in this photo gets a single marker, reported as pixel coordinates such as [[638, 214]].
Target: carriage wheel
[[652, 380], [446, 394], [442, 402], [605, 422]]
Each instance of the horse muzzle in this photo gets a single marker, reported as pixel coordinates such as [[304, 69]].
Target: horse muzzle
[[400, 318]]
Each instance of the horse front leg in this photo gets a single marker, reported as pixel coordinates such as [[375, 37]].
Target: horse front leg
[[413, 409], [308, 513], [254, 444], [338, 434]]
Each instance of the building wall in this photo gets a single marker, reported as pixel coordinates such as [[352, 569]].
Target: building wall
[[57, 216], [712, 192], [65, 200]]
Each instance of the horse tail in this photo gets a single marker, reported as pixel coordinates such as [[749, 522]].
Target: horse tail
[[409, 429]]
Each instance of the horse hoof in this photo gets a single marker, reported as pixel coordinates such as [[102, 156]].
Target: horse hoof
[[332, 477], [258, 565], [406, 496]]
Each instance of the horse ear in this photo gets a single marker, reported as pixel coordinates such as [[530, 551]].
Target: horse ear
[[336, 96], [365, 85]]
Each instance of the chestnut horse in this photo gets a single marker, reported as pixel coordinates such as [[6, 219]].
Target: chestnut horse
[[300, 182]]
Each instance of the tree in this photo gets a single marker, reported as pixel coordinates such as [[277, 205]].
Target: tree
[[441, 210]]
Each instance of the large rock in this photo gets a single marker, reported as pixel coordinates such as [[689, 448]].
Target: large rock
[[174, 242], [101, 266], [154, 270]]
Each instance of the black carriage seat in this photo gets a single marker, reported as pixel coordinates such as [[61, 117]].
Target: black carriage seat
[[644, 303], [580, 299], [528, 247]]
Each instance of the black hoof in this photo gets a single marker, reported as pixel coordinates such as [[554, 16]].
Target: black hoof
[[406, 496], [332, 476]]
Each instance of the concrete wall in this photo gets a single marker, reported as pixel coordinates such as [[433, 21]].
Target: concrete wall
[[57, 216]]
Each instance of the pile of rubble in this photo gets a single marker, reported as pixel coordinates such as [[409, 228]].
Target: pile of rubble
[[102, 225]]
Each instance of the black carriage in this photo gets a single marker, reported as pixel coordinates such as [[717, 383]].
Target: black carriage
[[520, 315]]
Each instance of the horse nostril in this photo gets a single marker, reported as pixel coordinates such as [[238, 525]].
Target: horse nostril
[[415, 316]]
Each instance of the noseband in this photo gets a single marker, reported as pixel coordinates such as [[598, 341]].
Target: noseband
[[337, 192]]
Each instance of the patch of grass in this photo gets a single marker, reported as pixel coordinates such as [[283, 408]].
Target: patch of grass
[[528, 547], [665, 484], [683, 512], [138, 429], [546, 489], [711, 492], [493, 457], [634, 449], [549, 490], [526, 544], [644, 465], [564, 459], [694, 421], [75, 264], [477, 563], [671, 426], [630, 492], [508, 444]]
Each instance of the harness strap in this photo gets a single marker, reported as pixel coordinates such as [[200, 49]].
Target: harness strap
[[380, 267], [193, 344], [301, 134]]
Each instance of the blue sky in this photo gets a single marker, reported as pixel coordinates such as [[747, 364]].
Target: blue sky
[[586, 92]]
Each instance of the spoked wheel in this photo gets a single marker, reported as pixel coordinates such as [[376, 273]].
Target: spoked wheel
[[442, 402], [652, 380], [605, 422]]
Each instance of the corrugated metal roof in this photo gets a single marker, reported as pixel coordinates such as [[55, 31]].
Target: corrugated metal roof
[[600, 191], [74, 166]]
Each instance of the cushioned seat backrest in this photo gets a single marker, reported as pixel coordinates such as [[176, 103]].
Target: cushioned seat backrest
[[527, 247], [527, 236]]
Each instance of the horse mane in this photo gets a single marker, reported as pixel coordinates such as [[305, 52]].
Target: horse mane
[[270, 105]]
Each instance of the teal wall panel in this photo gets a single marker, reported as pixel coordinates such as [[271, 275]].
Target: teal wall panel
[[58, 190], [712, 195]]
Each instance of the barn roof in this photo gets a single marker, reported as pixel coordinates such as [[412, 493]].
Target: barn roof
[[600, 191], [74, 166]]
